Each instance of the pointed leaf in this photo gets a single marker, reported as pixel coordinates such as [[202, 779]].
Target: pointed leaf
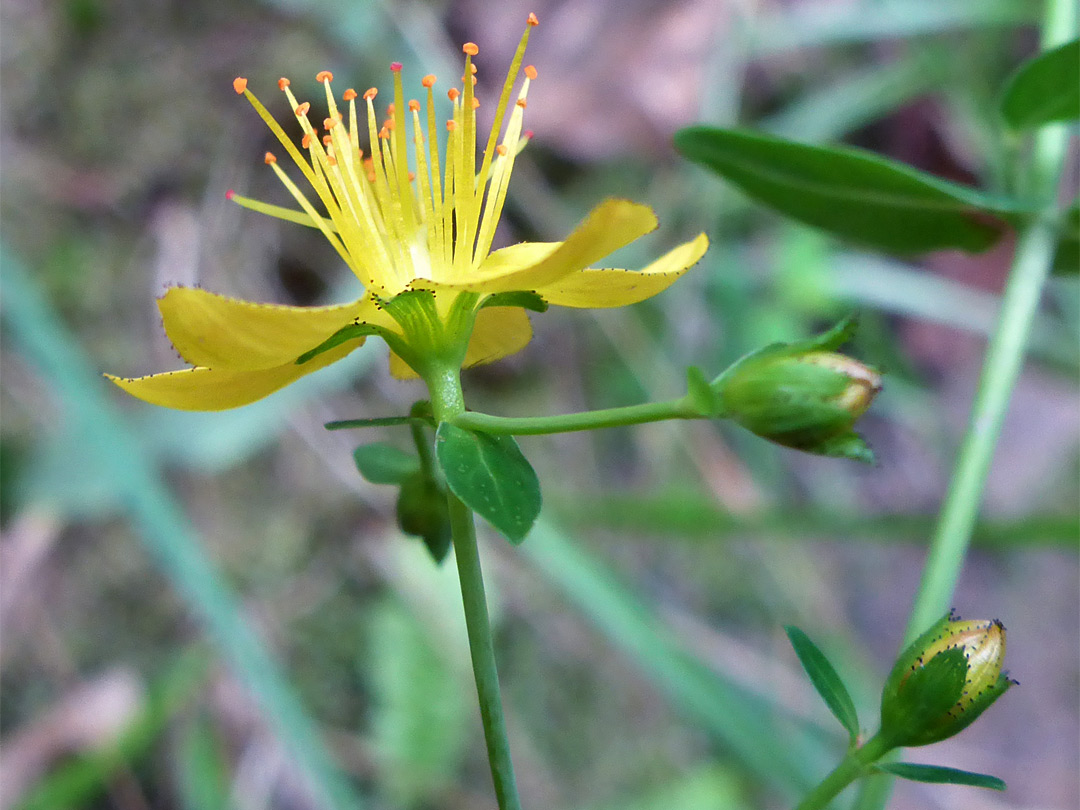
[[825, 680], [523, 298], [491, 476], [702, 397], [1044, 89], [854, 194], [938, 775], [422, 512], [382, 463], [342, 335]]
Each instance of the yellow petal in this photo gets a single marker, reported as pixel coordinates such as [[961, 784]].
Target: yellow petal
[[611, 225], [226, 333], [618, 288], [497, 333], [205, 389]]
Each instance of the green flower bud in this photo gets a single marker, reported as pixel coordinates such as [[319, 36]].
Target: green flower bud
[[803, 395], [943, 681]]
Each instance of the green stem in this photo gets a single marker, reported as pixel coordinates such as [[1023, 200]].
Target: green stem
[[850, 768], [588, 420], [1031, 266], [447, 402]]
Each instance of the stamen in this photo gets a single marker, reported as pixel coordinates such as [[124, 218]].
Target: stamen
[[414, 105], [396, 67], [428, 81], [327, 140], [306, 140], [530, 71], [453, 93], [475, 102], [501, 148], [282, 83], [532, 20], [521, 103], [470, 49], [303, 109], [269, 158], [324, 76], [451, 125], [370, 93], [239, 84], [349, 94]]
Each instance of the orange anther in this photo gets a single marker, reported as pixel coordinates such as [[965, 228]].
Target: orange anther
[[331, 122], [532, 19], [521, 103], [302, 110], [371, 177], [370, 93], [306, 141], [282, 83], [429, 80], [472, 68], [324, 76], [327, 139], [390, 110], [470, 48], [451, 126], [269, 158], [414, 105], [369, 162], [239, 84], [453, 93], [384, 133], [330, 159], [412, 176], [501, 148], [349, 94], [530, 71], [475, 102], [389, 124]]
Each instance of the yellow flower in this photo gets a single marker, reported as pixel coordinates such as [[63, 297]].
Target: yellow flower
[[419, 242]]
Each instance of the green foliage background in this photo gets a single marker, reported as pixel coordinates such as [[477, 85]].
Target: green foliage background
[[214, 610]]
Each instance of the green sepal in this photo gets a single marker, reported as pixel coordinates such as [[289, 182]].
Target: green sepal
[[826, 681], [382, 463], [700, 395], [422, 511], [343, 335], [937, 775], [524, 299], [912, 713], [848, 445], [491, 476], [379, 421], [1044, 89]]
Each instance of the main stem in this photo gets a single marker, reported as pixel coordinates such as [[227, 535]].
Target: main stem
[[1004, 357], [447, 402], [850, 768]]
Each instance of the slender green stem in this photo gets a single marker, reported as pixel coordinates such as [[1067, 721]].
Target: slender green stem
[[447, 402], [1031, 265], [587, 420], [850, 768]]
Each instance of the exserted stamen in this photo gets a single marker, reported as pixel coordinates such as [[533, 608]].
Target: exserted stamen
[[401, 159], [465, 173]]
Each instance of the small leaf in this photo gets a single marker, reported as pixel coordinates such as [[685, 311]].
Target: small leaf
[[1044, 89], [523, 299], [379, 421], [422, 512], [1067, 256], [825, 680], [940, 776], [854, 194], [702, 397], [382, 463], [491, 476]]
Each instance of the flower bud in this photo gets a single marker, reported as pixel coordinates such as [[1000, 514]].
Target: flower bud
[[943, 681], [803, 395]]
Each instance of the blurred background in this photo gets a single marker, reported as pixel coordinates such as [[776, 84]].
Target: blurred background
[[214, 610]]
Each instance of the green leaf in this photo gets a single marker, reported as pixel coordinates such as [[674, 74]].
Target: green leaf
[[940, 776], [826, 680], [491, 476], [422, 512], [1067, 256], [524, 299], [703, 398], [382, 463], [854, 194], [1044, 89]]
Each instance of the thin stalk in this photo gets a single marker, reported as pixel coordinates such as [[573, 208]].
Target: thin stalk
[[1004, 357], [850, 768], [587, 420], [447, 402]]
